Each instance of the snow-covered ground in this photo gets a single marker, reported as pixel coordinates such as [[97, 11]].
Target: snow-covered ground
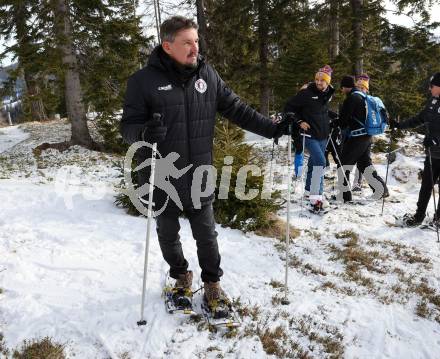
[[71, 266], [10, 136]]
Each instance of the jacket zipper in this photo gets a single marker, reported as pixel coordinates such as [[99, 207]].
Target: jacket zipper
[[185, 102]]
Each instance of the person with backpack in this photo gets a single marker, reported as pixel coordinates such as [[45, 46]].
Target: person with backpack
[[358, 114], [430, 118], [310, 105], [347, 84]]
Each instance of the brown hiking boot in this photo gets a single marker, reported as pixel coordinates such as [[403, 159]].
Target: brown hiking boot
[[216, 299], [182, 293], [185, 280]]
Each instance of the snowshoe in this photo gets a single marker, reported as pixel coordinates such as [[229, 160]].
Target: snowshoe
[[217, 308], [432, 224], [408, 220], [412, 220], [178, 298], [316, 207], [356, 188], [319, 209]]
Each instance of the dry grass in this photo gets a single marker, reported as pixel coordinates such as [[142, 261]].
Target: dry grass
[[328, 337], [252, 312], [355, 257], [40, 349], [308, 268], [278, 229], [276, 284], [277, 342], [3, 349], [347, 234], [422, 309]]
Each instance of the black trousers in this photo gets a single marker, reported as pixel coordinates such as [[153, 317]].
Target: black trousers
[[428, 178], [357, 151], [203, 230], [335, 150]]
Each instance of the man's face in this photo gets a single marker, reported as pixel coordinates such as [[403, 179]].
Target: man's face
[[185, 47], [435, 91], [321, 85], [345, 90]]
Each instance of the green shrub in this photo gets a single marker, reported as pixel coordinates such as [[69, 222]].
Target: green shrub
[[247, 215]]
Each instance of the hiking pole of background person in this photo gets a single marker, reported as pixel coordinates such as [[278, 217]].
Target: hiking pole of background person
[[430, 117], [388, 163], [142, 321], [285, 300], [428, 148], [310, 105], [301, 172], [338, 160]]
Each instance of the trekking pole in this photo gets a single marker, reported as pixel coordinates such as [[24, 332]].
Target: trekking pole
[[285, 301], [271, 161], [340, 164], [432, 182], [142, 321], [302, 170], [300, 173], [388, 166]]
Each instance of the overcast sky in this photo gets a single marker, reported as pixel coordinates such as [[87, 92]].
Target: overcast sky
[[148, 13]]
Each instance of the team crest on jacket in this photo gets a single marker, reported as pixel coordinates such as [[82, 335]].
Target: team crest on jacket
[[201, 85]]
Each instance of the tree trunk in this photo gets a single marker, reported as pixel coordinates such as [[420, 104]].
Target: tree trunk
[[358, 41], [334, 30], [201, 20], [74, 103], [263, 33], [38, 112]]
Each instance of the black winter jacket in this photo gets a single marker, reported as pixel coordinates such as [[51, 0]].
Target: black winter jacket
[[430, 118], [353, 108], [311, 105], [188, 103]]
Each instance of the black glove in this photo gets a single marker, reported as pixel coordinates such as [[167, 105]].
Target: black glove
[[333, 115], [154, 131], [282, 125], [430, 141], [393, 124]]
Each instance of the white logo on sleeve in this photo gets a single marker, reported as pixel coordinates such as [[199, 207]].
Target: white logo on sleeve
[[165, 88], [201, 86]]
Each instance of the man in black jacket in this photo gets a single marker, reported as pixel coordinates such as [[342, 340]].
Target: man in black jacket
[[310, 105], [430, 118], [187, 92], [357, 146]]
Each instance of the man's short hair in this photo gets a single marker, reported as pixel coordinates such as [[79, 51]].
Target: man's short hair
[[173, 25]]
